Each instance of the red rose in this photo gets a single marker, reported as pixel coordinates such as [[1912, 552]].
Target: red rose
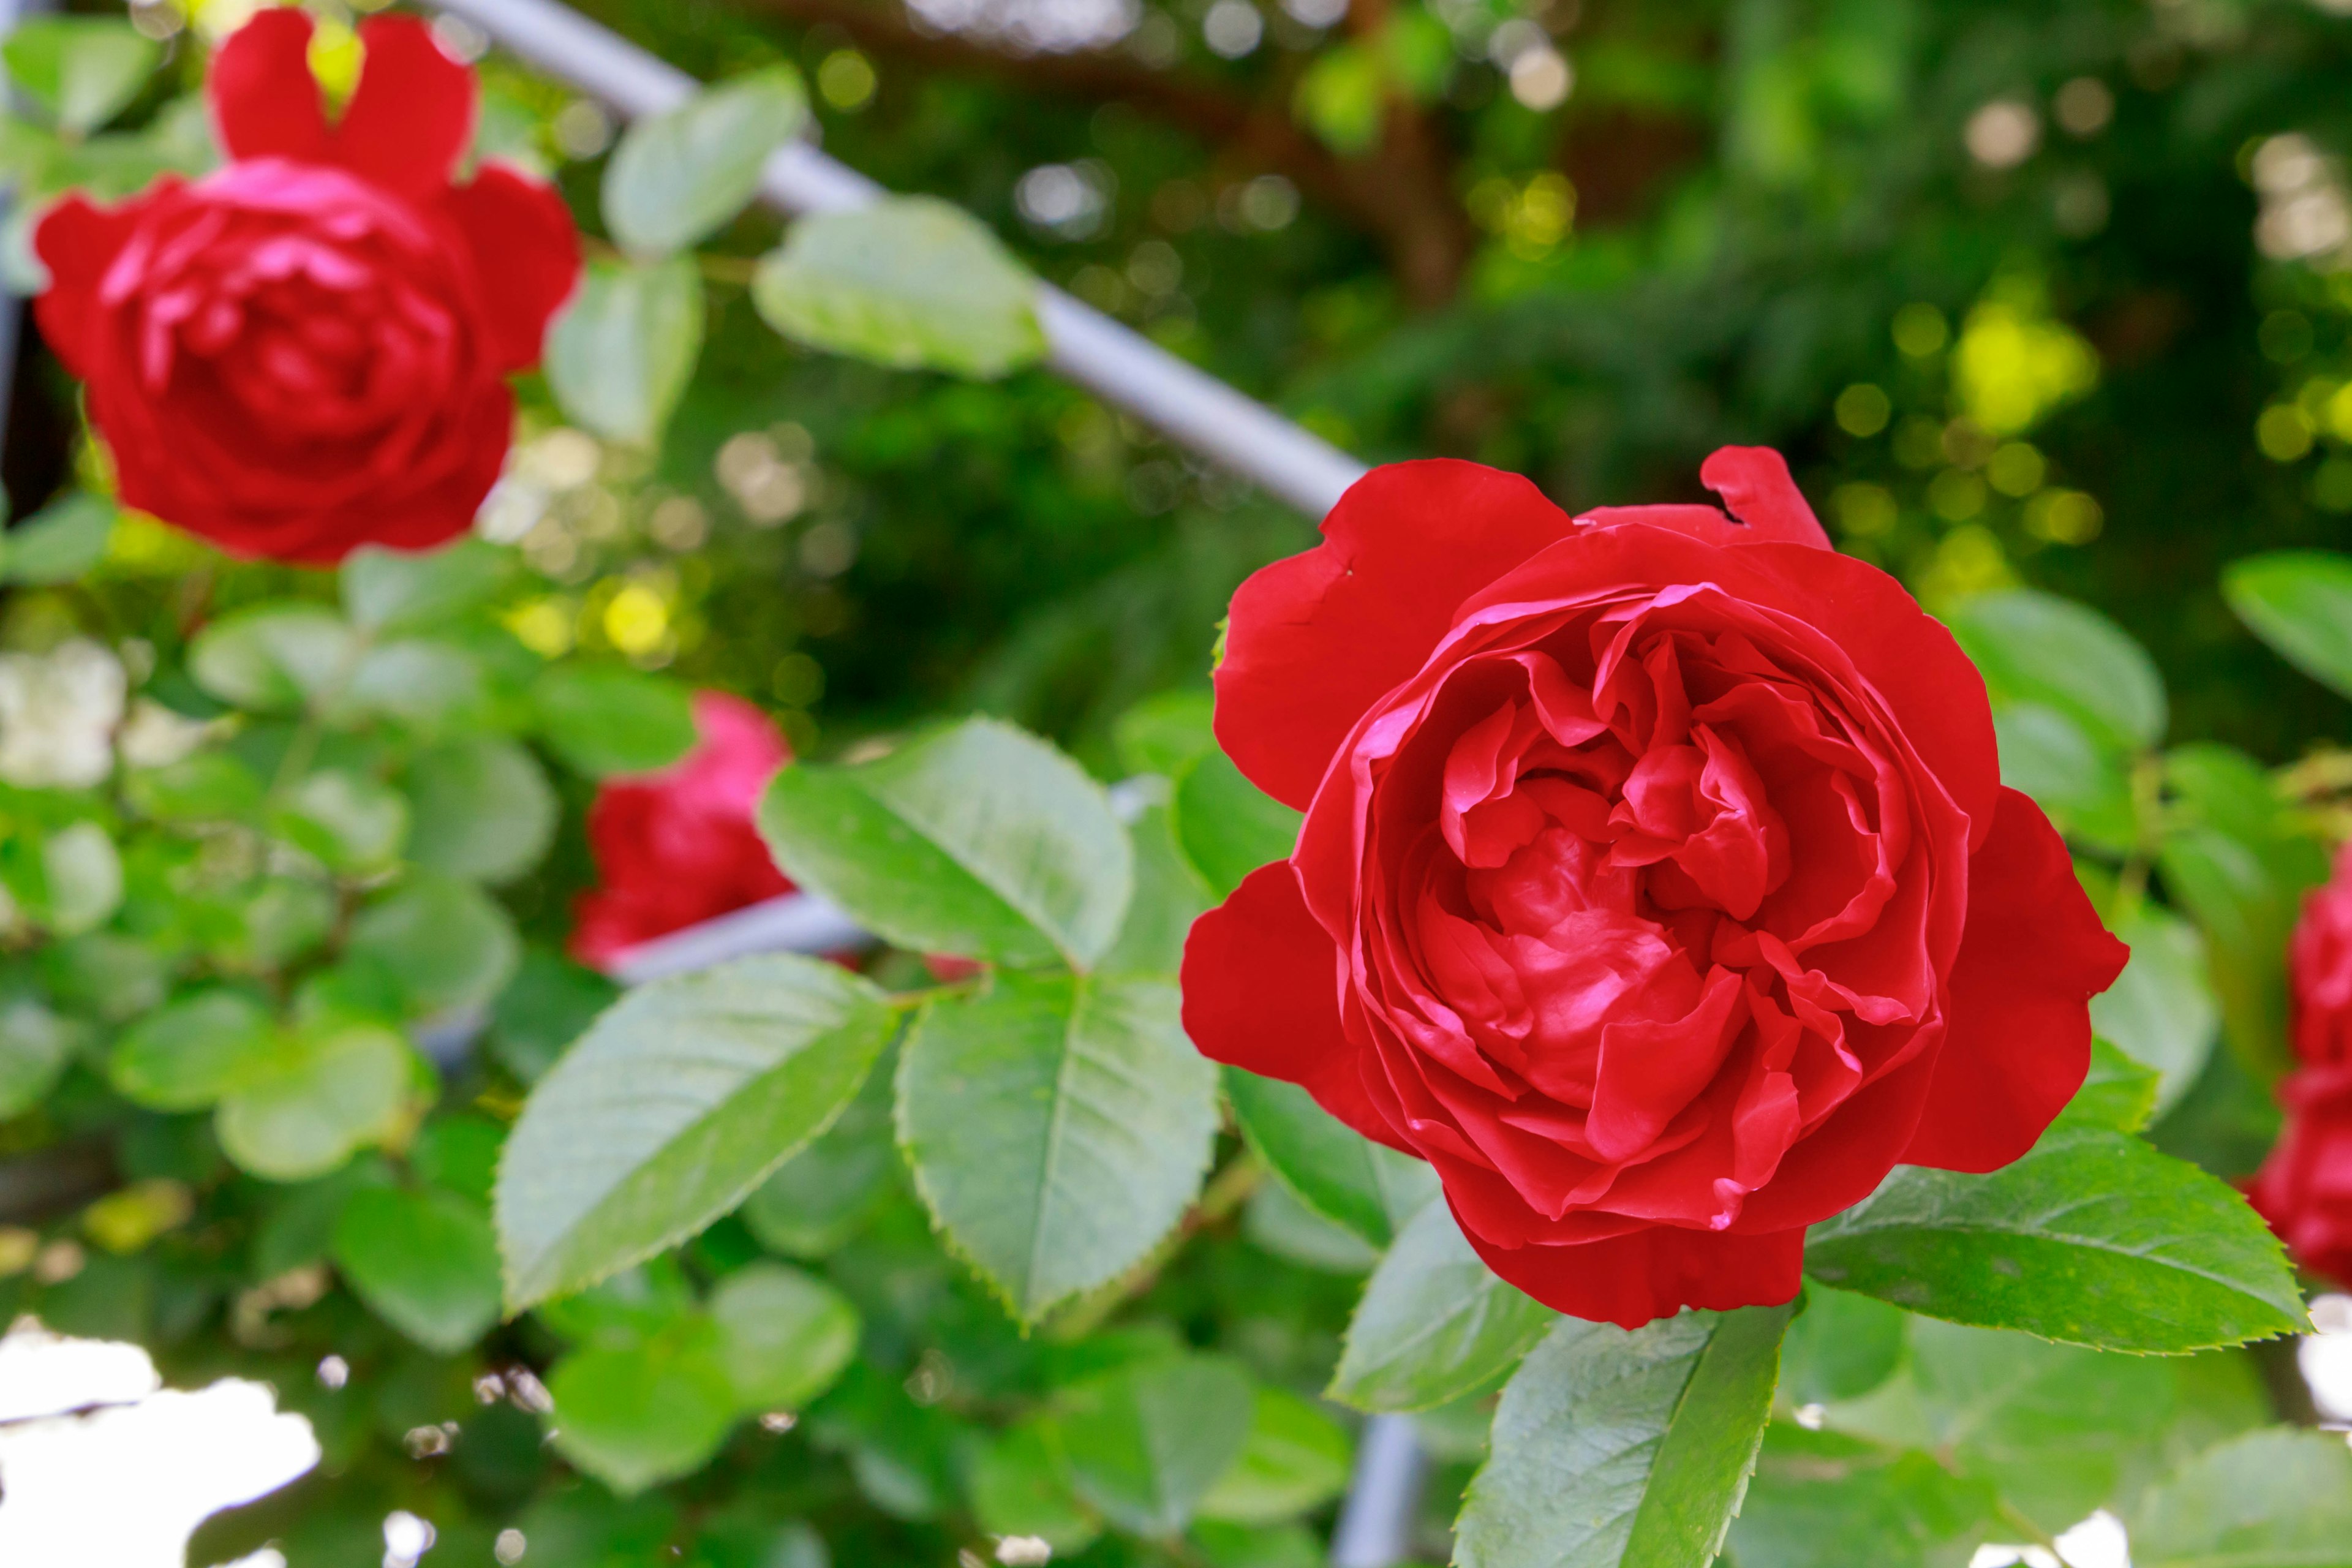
[[679, 846], [2320, 969], [307, 350], [2305, 1189], [1657, 883]]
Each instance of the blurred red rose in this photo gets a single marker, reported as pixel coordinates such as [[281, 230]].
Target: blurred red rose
[[306, 351], [1657, 883], [679, 846], [2305, 1189], [2320, 969]]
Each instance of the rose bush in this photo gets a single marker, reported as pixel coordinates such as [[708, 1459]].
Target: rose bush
[[678, 846], [307, 350], [1657, 884]]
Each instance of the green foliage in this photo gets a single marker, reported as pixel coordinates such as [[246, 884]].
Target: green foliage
[[1226, 825], [64, 539], [423, 1260], [678, 176], [2091, 1238], [908, 282], [1434, 1323], [1149, 1444], [1334, 1170], [82, 71], [2299, 601], [604, 722], [620, 355], [2268, 1498], [976, 840], [756, 1058], [1057, 1126], [1613, 1447]]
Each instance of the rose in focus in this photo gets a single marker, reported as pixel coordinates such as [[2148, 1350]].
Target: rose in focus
[[1657, 884], [307, 350], [678, 846], [2305, 1187]]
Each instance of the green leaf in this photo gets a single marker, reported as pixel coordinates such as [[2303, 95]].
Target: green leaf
[[1278, 1221], [2236, 862], [604, 722], [1228, 826], [425, 1262], [749, 1060], [1840, 1347], [323, 1093], [1434, 1323], [1821, 1499], [677, 177], [786, 1334], [2299, 603], [2161, 1011], [187, 1055], [2036, 646], [2085, 787], [349, 821], [273, 658], [1169, 897], [83, 69], [1612, 1447], [1162, 733], [813, 1200], [459, 1151], [1021, 1486], [35, 1046], [2053, 1427], [2277, 1499], [1334, 1169], [910, 282], [622, 351], [1148, 1443], [444, 943], [84, 877], [481, 809], [429, 685], [978, 840], [2117, 1093], [397, 590], [2092, 1238], [59, 543], [1057, 1127], [632, 1415], [1295, 1459], [548, 1005]]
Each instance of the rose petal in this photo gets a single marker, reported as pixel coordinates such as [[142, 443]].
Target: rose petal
[[1654, 1272], [78, 242], [412, 113], [526, 253], [1315, 640], [1260, 983], [264, 100], [1755, 488], [2019, 1042]]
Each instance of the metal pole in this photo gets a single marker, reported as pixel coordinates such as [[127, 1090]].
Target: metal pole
[[1117, 364]]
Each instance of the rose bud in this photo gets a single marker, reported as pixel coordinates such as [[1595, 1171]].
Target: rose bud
[[2320, 969], [1657, 883], [307, 350]]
